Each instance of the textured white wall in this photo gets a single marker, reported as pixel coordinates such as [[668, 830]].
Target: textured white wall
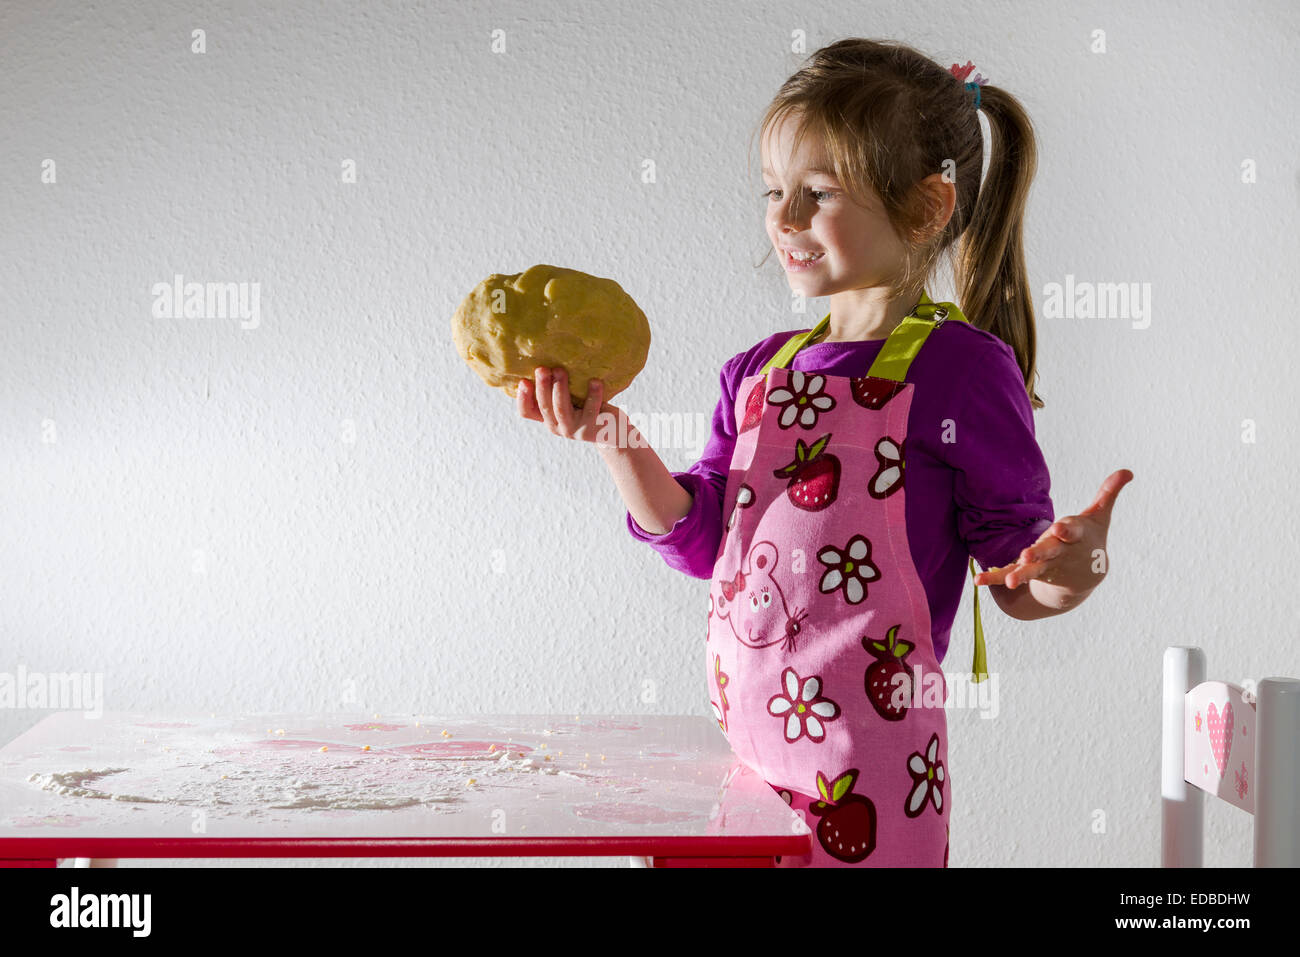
[[184, 512]]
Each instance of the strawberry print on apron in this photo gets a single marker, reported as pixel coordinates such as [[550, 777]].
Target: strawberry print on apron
[[819, 625]]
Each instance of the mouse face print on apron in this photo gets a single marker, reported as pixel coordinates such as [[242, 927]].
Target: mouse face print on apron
[[821, 667]]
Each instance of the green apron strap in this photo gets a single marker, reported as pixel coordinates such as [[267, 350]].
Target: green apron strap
[[793, 345], [896, 355], [980, 666]]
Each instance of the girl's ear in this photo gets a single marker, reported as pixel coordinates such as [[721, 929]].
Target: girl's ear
[[934, 199]]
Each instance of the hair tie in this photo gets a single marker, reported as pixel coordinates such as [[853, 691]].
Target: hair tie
[[961, 72]]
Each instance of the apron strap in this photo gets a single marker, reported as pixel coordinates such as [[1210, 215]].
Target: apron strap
[[896, 355], [793, 345], [979, 668], [892, 362]]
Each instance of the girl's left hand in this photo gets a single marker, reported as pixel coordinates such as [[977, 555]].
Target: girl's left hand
[[1065, 554]]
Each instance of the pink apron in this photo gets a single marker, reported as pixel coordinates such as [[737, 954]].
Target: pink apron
[[821, 668]]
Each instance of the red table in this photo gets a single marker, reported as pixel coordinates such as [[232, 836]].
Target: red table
[[164, 786]]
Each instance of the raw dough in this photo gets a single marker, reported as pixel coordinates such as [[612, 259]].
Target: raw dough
[[552, 316]]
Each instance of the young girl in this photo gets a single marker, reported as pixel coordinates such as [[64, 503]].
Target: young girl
[[834, 582]]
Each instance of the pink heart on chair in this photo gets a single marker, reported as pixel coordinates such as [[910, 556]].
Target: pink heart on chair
[[1221, 735]]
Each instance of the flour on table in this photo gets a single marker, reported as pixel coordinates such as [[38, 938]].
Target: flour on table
[[72, 783], [266, 780]]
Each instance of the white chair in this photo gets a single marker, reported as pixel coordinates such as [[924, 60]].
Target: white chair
[[1245, 749]]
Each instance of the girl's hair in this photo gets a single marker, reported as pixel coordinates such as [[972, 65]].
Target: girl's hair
[[888, 116]]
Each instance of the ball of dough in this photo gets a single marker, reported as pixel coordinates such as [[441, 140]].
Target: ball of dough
[[551, 316]]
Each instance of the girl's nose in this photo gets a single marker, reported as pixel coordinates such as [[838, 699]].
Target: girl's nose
[[786, 220]]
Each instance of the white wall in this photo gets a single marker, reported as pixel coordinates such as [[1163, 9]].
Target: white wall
[[201, 532]]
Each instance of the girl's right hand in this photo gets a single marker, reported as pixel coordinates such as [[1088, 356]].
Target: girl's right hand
[[547, 399]]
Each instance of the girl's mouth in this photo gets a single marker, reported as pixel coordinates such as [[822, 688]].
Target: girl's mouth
[[799, 265]]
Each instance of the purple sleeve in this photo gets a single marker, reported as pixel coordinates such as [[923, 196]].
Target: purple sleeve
[[1000, 483], [691, 545]]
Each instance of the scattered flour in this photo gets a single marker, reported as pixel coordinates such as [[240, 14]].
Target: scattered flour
[[72, 783], [273, 782], [540, 764]]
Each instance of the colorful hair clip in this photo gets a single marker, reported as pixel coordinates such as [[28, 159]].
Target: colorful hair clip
[[961, 72]]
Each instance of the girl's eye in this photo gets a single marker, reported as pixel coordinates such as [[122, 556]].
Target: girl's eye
[[815, 192]]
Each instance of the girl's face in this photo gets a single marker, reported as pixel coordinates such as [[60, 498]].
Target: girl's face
[[857, 245]]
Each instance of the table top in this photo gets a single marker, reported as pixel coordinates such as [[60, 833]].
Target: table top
[[150, 785]]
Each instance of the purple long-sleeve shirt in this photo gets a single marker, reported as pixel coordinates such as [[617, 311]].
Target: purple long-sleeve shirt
[[977, 483]]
